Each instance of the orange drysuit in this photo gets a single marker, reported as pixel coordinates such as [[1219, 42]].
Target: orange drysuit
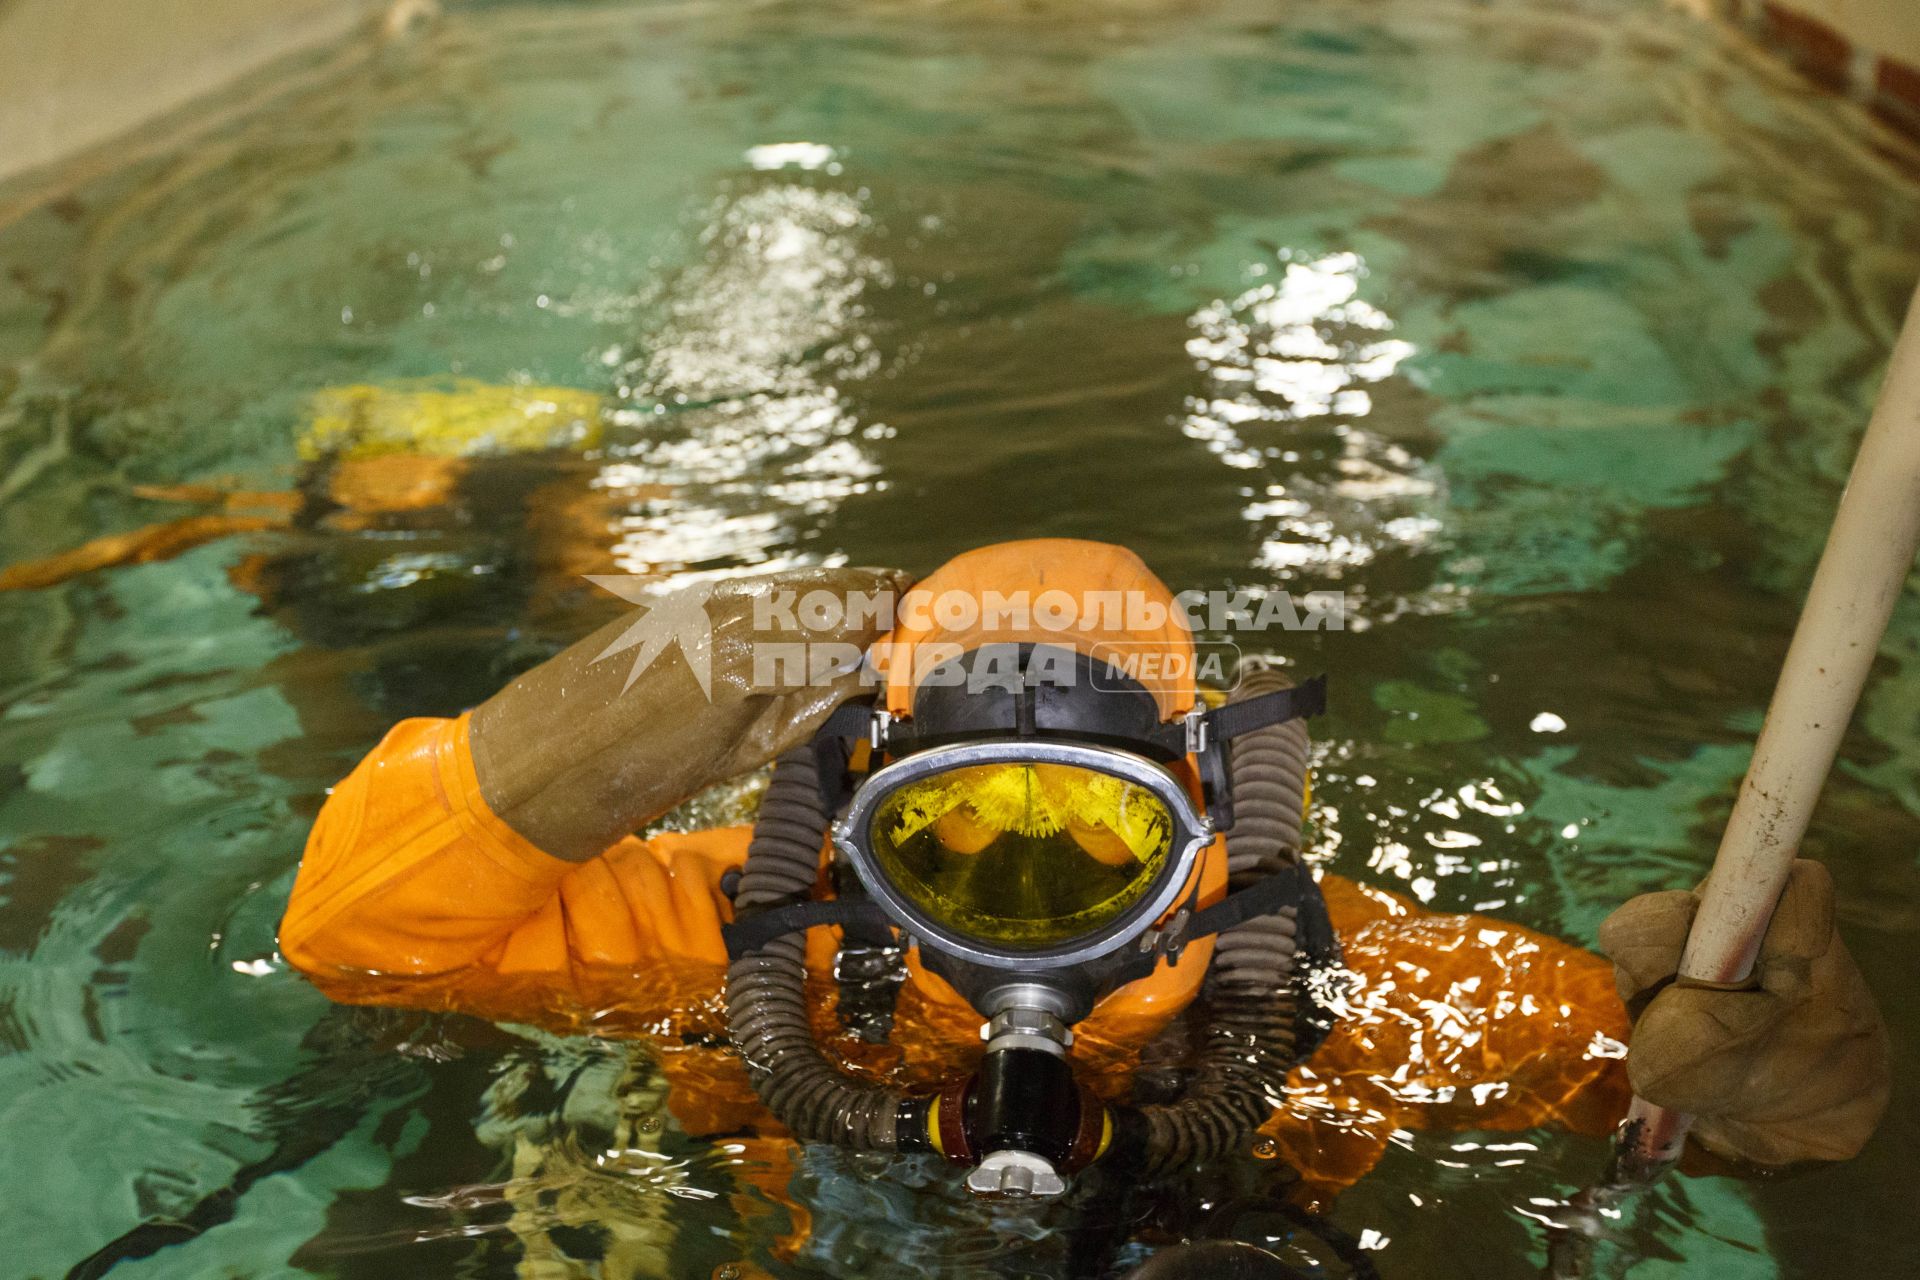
[[413, 892]]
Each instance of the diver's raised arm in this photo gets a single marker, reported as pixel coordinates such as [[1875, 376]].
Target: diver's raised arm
[[583, 749], [446, 853]]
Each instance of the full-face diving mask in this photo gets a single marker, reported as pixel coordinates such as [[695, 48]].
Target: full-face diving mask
[[1036, 830], [1031, 825], [1034, 858]]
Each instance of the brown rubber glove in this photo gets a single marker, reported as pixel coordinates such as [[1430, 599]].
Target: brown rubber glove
[[1795, 1069], [573, 757]]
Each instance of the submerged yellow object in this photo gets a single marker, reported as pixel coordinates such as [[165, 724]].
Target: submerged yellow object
[[462, 419]]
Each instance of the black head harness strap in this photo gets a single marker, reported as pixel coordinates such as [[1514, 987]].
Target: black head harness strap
[[1008, 691], [1264, 897]]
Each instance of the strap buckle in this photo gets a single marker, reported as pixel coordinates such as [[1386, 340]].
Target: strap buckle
[[1169, 940], [1198, 728]]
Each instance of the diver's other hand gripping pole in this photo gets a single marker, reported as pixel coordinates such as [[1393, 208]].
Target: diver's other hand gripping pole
[[1869, 553]]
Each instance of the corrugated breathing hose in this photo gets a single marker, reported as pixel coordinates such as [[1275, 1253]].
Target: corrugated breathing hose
[[767, 1012], [1251, 1000]]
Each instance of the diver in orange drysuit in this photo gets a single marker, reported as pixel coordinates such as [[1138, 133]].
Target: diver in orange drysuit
[[1061, 853]]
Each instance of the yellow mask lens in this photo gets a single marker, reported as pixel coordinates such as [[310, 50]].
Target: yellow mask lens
[[1022, 855]]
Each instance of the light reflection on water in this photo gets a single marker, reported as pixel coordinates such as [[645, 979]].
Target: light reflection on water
[[1531, 327], [749, 428], [1300, 347]]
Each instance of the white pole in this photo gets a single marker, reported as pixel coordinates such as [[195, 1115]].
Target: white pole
[[1869, 554]]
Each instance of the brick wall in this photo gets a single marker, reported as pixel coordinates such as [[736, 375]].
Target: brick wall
[[1869, 49]]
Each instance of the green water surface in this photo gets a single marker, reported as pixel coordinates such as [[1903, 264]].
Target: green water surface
[[1543, 330]]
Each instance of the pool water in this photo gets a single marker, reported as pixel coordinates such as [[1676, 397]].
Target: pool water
[[1543, 330]]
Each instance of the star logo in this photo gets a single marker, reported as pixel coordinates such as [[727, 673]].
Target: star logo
[[676, 616]]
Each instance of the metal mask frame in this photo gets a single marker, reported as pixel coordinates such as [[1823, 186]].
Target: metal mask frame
[[1193, 833]]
